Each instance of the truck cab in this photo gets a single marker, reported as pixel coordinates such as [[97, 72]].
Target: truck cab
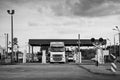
[[57, 52]]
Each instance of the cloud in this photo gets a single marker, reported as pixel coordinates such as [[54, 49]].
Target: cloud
[[32, 24], [96, 8], [69, 8], [87, 8]]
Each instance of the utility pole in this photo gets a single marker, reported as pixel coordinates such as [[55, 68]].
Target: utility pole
[[79, 53], [79, 42], [11, 12]]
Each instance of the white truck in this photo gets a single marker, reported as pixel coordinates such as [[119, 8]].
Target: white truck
[[57, 52]]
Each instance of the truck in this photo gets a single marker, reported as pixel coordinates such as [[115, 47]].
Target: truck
[[57, 52]]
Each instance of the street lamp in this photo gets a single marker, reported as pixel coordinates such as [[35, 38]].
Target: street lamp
[[117, 29], [11, 12]]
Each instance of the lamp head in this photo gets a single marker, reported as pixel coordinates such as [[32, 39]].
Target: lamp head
[[11, 12], [101, 40], [92, 39]]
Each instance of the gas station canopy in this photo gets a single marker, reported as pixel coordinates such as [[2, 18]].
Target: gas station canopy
[[67, 42]]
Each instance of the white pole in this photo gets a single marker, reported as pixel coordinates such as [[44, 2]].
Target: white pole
[[79, 53], [80, 57], [24, 56], [43, 56]]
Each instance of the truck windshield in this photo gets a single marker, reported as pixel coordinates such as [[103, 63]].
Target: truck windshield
[[57, 49]]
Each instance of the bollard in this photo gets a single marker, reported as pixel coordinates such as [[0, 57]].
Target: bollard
[[113, 66]]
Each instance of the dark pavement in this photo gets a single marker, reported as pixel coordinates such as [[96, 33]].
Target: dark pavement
[[36, 71]]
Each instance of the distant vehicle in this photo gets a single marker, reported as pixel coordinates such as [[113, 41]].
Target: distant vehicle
[[70, 56], [57, 52]]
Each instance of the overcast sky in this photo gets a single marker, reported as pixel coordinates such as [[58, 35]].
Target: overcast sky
[[54, 19]]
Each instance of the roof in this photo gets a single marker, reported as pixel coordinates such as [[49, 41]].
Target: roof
[[67, 42]]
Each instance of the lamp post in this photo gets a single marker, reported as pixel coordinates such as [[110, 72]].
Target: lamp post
[[117, 29], [11, 12]]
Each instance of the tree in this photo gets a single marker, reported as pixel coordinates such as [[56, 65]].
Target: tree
[[88, 53]]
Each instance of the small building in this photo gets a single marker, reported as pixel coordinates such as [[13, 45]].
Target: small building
[[1, 53]]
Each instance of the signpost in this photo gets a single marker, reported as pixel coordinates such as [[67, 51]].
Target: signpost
[[99, 51]]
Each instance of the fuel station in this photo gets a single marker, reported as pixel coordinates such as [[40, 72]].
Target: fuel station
[[44, 44]]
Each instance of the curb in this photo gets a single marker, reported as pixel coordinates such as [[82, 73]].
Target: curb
[[99, 73]]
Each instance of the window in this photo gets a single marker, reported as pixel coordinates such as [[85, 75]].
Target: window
[[57, 49]]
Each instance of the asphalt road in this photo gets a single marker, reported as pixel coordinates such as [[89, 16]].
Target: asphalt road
[[49, 72]]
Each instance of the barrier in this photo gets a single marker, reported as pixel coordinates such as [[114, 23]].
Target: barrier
[[113, 57]]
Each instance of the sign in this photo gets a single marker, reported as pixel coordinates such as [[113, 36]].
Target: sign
[[105, 52], [15, 48], [57, 44]]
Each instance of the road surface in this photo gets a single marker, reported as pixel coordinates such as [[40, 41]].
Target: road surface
[[49, 72]]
